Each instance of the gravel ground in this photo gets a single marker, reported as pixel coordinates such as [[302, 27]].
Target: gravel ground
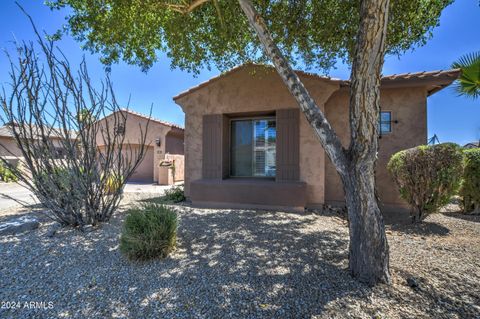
[[243, 264]]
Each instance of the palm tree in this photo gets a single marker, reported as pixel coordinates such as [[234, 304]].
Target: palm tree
[[469, 82]]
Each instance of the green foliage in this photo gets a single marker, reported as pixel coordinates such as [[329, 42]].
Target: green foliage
[[149, 231], [470, 190], [217, 33], [427, 176], [113, 183], [469, 82], [174, 194], [6, 174]]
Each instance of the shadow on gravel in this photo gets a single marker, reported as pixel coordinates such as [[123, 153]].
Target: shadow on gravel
[[424, 228], [229, 264], [461, 215]]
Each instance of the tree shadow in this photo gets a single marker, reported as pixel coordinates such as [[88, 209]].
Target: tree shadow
[[424, 228], [228, 263], [463, 216]]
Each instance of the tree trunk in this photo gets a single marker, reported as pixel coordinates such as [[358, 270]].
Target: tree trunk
[[368, 250], [369, 259], [368, 244]]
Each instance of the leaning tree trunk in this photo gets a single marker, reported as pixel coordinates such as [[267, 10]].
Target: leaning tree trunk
[[368, 260]]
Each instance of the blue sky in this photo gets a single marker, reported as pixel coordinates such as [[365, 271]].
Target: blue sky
[[451, 117]]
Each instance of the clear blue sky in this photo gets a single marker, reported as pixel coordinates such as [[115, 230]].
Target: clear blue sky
[[451, 117]]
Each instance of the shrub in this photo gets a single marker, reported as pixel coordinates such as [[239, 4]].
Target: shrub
[[113, 183], [470, 189], [72, 155], [149, 231], [174, 194], [427, 176], [6, 174]]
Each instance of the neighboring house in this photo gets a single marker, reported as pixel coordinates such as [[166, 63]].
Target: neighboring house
[[11, 152], [248, 145], [162, 138], [472, 145]]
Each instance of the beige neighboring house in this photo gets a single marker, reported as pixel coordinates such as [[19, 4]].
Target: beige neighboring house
[[247, 144], [164, 146], [9, 149]]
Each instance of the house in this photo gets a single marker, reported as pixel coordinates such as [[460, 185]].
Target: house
[[248, 145], [472, 145], [164, 144], [12, 153]]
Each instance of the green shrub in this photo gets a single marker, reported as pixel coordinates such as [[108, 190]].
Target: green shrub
[[113, 183], [427, 176], [470, 190], [174, 194], [6, 174], [149, 231]]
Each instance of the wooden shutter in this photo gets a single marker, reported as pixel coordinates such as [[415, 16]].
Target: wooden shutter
[[212, 146], [288, 148]]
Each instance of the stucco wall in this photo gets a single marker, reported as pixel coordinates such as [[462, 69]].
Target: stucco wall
[[156, 130], [174, 144], [408, 107], [256, 89], [10, 145]]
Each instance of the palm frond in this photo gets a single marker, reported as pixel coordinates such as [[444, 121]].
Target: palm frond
[[468, 84]]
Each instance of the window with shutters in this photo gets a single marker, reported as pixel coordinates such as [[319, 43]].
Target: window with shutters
[[253, 147]]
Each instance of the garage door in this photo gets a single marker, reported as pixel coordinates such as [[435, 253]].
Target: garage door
[[144, 171]]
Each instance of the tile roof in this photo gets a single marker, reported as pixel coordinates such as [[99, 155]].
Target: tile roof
[[444, 77], [6, 131], [242, 66], [151, 118]]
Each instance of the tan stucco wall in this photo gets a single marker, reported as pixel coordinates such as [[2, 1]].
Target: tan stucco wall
[[133, 126], [248, 91], [9, 147], [408, 107]]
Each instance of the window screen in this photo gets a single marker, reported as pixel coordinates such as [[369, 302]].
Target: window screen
[[253, 147]]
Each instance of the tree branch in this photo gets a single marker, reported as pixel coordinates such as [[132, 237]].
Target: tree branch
[[326, 134]]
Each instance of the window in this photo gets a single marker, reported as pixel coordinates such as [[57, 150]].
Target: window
[[385, 122], [253, 147]]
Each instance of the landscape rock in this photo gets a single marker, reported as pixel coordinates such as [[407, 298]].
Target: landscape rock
[[19, 225], [52, 230]]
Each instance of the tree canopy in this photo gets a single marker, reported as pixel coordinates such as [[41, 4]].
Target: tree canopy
[[311, 32]]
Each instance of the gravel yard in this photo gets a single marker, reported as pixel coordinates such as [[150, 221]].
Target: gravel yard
[[243, 264]]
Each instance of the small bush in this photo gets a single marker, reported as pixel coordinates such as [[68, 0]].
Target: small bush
[[427, 176], [149, 231], [470, 189], [174, 194], [113, 183], [6, 174]]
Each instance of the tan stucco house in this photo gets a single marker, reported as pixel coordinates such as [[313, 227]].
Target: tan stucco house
[[247, 144], [164, 143], [9, 150]]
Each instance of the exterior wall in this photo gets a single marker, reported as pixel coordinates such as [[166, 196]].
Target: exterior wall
[[174, 144], [255, 89], [156, 130], [408, 107], [10, 145]]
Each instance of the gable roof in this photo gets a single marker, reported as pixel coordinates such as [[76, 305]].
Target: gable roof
[[433, 80], [146, 117], [53, 132]]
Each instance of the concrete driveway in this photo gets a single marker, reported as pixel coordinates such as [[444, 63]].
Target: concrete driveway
[[15, 195]]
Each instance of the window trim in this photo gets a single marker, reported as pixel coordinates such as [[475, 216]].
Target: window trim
[[245, 118]]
